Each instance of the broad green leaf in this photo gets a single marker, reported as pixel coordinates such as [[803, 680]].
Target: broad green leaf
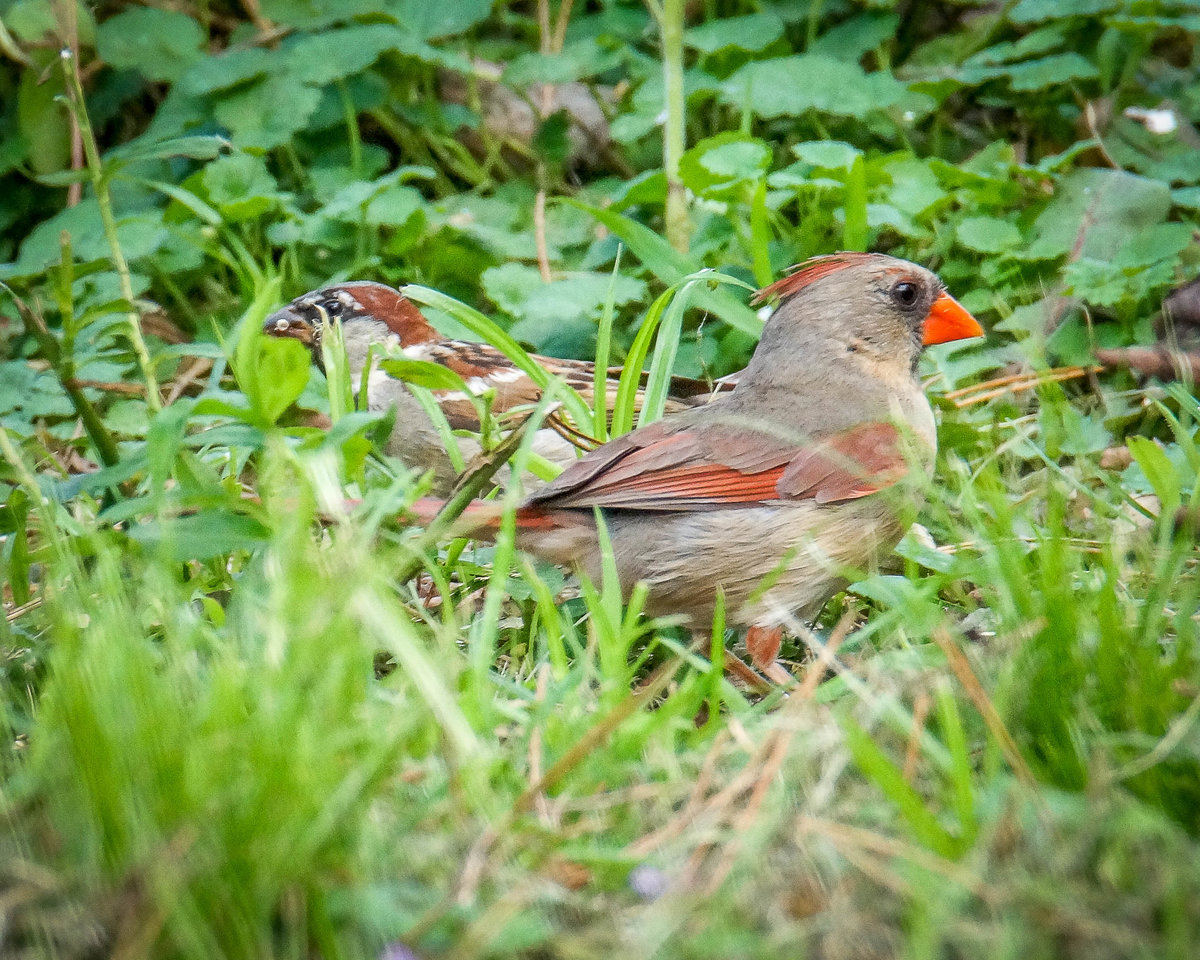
[[423, 373], [854, 37], [1159, 471], [240, 186], [282, 369], [191, 148], [42, 120], [719, 163], [228, 70], [431, 21], [577, 295], [320, 58], [576, 61], [1051, 71], [138, 234], [210, 533], [1043, 40], [788, 86], [267, 114], [159, 44], [826, 154], [755, 31], [1095, 212], [1031, 11], [988, 234]]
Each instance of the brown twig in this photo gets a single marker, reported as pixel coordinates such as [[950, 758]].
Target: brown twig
[[913, 751], [539, 235], [194, 370], [541, 804], [108, 386], [1015, 383], [1154, 362], [67, 15], [961, 668]]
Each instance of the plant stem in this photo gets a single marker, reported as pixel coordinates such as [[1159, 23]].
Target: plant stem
[[104, 202], [674, 132], [64, 368]]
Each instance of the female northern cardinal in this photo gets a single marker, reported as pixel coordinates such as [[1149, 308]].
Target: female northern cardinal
[[373, 313], [772, 492]]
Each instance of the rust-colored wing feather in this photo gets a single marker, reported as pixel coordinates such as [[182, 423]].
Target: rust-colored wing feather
[[667, 467]]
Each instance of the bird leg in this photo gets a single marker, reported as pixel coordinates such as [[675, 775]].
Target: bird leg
[[763, 644]]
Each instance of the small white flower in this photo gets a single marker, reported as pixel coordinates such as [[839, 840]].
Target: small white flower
[[1161, 120]]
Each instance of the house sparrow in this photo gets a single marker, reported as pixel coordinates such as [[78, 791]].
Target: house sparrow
[[373, 313], [773, 493]]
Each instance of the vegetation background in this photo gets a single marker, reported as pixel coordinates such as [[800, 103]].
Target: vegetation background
[[230, 731]]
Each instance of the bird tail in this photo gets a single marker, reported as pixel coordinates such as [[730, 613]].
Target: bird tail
[[482, 518]]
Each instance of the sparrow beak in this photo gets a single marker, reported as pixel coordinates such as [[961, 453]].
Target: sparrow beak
[[285, 323], [948, 321]]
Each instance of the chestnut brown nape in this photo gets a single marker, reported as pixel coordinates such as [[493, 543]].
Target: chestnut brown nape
[[391, 307]]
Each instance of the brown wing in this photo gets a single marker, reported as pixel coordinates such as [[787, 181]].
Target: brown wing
[[670, 467]]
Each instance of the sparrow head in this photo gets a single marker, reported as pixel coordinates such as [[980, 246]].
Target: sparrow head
[[367, 310], [882, 310]]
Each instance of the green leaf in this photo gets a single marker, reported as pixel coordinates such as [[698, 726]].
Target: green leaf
[[788, 86], [826, 154], [320, 58], [228, 70], [190, 148], [432, 21], [282, 369], [210, 533], [139, 236], [754, 32], [423, 373], [671, 266], [267, 114], [854, 229], [42, 120], [718, 164], [1095, 212], [1159, 471], [159, 44], [1031, 11], [1052, 71], [859, 35], [576, 61], [658, 380], [240, 186], [17, 562], [988, 234]]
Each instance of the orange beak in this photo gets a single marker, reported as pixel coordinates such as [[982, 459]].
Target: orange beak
[[948, 321]]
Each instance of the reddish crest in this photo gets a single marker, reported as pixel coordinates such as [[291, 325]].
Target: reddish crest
[[393, 308], [810, 271]]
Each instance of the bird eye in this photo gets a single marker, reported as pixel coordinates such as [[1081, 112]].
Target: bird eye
[[905, 293], [332, 308]]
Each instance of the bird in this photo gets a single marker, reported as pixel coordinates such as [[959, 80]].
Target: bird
[[769, 496], [373, 313]]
